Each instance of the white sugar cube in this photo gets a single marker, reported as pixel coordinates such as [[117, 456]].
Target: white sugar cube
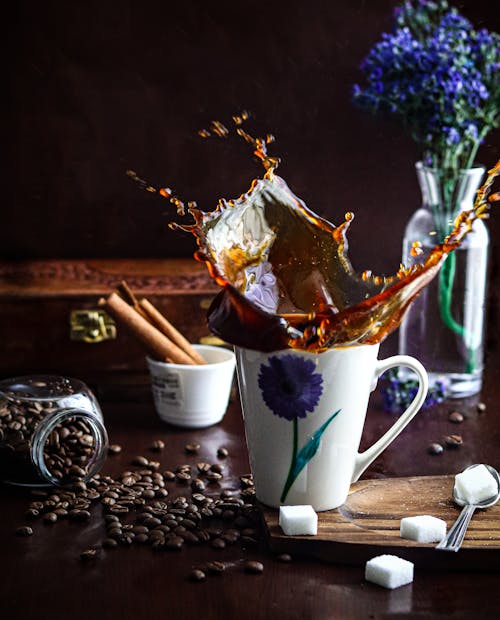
[[423, 528], [476, 484], [389, 571], [298, 520]]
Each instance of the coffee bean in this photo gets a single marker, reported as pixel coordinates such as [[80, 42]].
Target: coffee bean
[[481, 407], [215, 567], [222, 452], [74, 470], [435, 448], [214, 477], [141, 539], [111, 519], [109, 543], [50, 517], [197, 484], [284, 557], [253, 567], [32, 513], [174, 543], [168, 475], [197, 575], [142, 461], [217, 467], [203, 468], [453, 441], [218, 543], [140, 529], [456, 417], [190, 538], [157, 445], [24, 530], [114, 448], [61, 513], [88, 555], [192, 448]]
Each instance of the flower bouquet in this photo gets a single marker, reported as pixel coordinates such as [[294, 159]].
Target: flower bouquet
[[441, 78]]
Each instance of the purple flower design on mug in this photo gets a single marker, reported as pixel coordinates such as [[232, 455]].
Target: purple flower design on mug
[[289, 386]]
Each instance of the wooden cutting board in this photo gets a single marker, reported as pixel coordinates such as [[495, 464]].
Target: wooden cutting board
[[368, 525]]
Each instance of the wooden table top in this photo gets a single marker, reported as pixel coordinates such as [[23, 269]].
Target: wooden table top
[[43, 576]]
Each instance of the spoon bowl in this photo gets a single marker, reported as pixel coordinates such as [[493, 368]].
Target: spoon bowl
[[453, 540], [486, 503]]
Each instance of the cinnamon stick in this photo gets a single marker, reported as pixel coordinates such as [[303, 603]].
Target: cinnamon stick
[[157, 344], [164, 325], [127, 294]]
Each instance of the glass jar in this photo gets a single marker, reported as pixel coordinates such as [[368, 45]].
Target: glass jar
[[444, 327], [51, 431]]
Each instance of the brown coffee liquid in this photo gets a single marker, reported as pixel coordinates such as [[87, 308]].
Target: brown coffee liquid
[[286, 279]]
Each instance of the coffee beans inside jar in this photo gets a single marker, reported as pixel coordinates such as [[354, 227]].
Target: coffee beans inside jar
[[51, 431]]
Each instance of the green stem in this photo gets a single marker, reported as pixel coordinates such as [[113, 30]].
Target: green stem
[[446, 279], [291, 477]]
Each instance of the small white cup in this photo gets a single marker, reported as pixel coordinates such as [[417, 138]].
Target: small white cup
[[193, 396]]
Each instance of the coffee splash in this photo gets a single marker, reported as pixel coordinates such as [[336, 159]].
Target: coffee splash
[[286, 278]]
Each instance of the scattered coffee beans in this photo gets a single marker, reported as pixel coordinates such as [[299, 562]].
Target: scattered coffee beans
[[114, 449], [138, 509]]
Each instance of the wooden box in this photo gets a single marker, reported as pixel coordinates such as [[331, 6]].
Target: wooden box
[[50, 321]]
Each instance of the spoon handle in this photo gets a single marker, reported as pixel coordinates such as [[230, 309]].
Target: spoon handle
[[453, 540]]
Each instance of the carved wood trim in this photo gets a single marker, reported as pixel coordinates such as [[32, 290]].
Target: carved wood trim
[[56, 277]]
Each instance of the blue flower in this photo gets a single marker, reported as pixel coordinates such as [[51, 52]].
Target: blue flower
[[439, 76], [289, 386]]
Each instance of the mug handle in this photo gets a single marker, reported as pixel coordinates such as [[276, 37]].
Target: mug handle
[[363, 459]]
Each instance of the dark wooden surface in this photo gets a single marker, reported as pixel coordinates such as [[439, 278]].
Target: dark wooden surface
[[44, 578]]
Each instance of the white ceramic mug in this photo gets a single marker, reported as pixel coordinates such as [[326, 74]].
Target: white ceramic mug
[[304, 415], [193, 396]]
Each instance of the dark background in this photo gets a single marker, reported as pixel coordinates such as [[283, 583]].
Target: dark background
[[95, 88]]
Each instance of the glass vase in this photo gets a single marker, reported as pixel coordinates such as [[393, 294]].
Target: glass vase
[[444, 327]]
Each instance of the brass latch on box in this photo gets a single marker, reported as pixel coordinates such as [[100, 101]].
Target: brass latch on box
[[92, 326]]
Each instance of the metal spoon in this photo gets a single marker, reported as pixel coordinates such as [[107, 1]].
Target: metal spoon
[[453, 540]]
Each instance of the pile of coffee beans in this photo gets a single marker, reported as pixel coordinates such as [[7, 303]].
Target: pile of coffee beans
[[165, 510], [68, 451]]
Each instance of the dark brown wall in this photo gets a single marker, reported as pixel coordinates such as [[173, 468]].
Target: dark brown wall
[[98, 87]]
